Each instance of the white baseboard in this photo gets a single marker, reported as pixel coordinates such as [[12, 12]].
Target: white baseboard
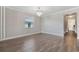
[[54, 34], [57, 34], [18, 36]]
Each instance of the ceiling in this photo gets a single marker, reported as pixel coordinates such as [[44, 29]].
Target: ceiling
[[44, 9]]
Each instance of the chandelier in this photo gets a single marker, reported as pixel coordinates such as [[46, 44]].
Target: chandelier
[[38, 11]]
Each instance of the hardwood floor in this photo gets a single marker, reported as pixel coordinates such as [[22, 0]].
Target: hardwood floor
[[70, 40], [34, 43]]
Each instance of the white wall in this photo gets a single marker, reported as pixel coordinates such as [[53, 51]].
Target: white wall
[[14, 21], [54, 23], [0, 22]]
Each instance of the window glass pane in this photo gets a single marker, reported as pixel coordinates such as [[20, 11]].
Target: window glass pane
[[29, 22]]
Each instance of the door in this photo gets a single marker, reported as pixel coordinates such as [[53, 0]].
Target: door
[[70, 32]]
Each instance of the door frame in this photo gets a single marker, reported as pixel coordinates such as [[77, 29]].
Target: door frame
[[65, 21]]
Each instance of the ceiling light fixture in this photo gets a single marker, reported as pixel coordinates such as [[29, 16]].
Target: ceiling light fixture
[[39, 12]]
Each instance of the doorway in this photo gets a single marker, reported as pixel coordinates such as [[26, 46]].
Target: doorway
[[70, 32]]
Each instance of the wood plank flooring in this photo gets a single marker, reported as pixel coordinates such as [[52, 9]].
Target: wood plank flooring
[[70, 41], [34, 43]]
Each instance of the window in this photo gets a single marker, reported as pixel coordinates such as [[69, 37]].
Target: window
[[29, 22]]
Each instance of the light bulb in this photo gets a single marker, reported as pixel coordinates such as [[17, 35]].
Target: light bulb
[[39, 13]]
